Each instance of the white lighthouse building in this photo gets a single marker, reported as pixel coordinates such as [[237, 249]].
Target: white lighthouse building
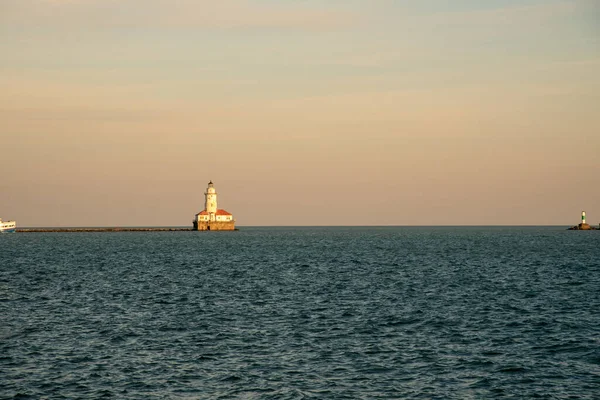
[[213, 218]]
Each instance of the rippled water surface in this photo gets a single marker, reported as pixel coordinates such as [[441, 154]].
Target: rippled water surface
[[292, 313]]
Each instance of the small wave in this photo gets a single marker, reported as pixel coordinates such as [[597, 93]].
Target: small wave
[[511, 370], [231, 379]]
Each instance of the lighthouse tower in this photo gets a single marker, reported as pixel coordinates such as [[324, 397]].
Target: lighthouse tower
[[213, 218], [583, 217], [210, 202]]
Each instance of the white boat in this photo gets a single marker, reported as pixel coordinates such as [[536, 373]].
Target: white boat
[[8, 226]]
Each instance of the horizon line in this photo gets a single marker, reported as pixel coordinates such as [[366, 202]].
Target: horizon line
[[295, 226]]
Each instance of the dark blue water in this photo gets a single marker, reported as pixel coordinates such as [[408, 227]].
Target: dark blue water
[[292, 313]]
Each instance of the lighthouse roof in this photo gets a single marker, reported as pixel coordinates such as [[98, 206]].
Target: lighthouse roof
[[219, 212]]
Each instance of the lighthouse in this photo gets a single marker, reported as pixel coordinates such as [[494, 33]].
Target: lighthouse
[[213, 218], [583, 226]]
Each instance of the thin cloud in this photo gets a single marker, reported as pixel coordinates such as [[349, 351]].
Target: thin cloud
[[171, 14], [508, 15]]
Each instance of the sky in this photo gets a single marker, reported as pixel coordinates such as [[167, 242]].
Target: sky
[[303, 112]]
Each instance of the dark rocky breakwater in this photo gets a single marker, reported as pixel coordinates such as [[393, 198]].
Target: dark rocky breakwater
[[108, 229], [584, 227]]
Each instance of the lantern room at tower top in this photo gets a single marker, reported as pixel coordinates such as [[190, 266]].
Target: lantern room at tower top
[[213, 218]]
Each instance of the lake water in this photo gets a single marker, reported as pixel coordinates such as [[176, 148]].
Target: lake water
[[293, 313]]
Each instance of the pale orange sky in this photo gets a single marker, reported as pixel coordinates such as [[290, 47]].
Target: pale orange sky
[[312, 113]]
